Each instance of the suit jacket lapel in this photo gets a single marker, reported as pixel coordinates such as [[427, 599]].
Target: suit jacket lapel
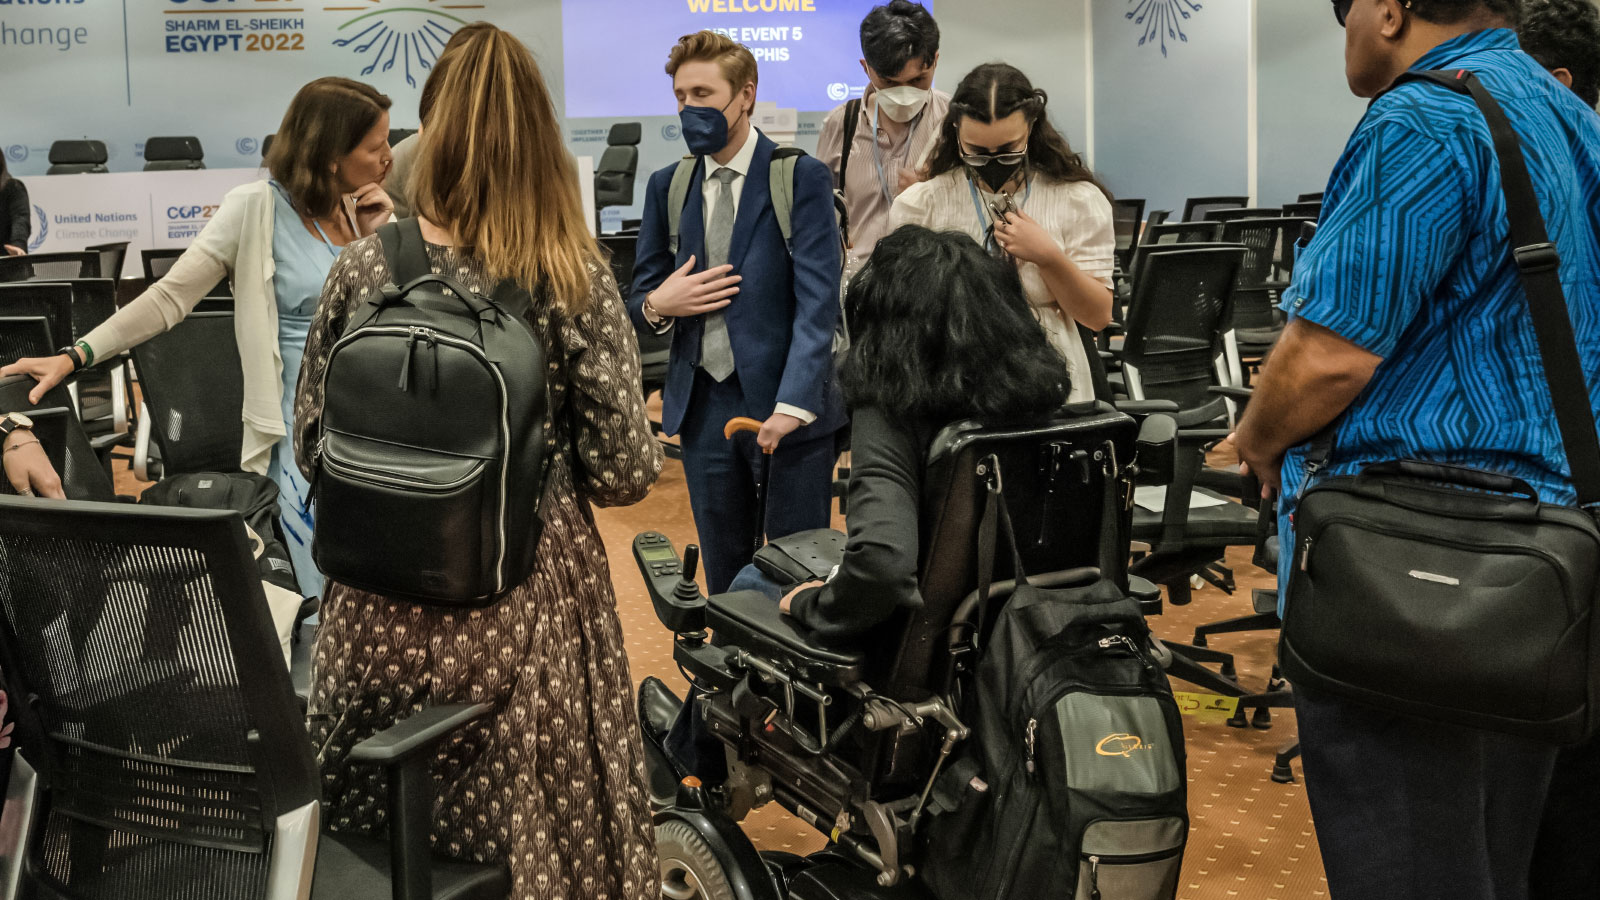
[[692, 227], [755, 198]]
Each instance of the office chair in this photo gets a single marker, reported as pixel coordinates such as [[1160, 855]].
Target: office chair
[[160, 751], [77, 158], [266, 145], [191, 421], [83, 475], [1157, 217], [112, 257], [22, 336], [1307, 198], [82, 452], [1180, 233], [158, 262], [50, 266], [1244, 212], [1310, 209], [168, 154], [396, 135], [51, 301], [614, 176], [1127, 220], [1269, 241], [1195, 208]]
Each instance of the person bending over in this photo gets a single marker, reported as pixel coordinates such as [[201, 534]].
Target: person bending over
[[552, 783], [274, 240]]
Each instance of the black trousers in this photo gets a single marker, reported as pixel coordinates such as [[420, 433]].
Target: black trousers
[[1566, 861], [1408, 809]]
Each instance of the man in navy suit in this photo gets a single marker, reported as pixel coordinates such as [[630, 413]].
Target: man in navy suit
[[752, 318]]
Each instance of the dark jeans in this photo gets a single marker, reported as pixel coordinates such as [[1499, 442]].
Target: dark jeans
[[694, 748], [1566, 860], [1408, 809]]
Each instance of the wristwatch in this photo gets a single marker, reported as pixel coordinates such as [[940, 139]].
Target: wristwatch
[[11, 422]]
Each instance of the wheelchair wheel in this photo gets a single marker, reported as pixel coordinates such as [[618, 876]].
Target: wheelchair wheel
[[689, 870]]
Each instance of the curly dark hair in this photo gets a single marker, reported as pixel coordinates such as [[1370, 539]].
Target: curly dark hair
[[896, 33], [994, 91], [1565, 34], [1449, 12], [940, 330]]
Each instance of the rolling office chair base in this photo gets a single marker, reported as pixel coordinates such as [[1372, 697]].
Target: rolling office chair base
[[1252, 622], [1282, 770]]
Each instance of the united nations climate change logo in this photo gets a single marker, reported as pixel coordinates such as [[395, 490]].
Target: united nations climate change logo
[[405, 36], [247, 146], [17, 153], [1161, 20], [670, 132], [838, 91], [44, 229]]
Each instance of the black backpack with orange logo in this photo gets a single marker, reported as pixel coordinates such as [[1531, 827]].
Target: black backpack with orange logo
[[1074, 782]]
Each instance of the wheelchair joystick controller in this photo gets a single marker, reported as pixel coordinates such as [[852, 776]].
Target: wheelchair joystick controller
[[687, 590], [673, 592]]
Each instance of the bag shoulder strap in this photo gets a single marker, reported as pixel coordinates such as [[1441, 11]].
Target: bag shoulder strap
[[852, 116], [780, 180], [677, 196], [1538, 262], [404, 250], [996, 518]]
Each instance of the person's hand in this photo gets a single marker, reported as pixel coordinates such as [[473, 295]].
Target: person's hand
[[28, 469], [47, 370], [1025, 239], [1267, 471], [13, 250], [908, 176], [786, 604], [683, 294], [777, 427], [373, 207]]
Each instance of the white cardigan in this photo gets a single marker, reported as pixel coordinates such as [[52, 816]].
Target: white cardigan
[[236, 244]]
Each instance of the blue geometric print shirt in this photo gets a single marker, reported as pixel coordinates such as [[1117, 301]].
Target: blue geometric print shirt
[[1412, 261]]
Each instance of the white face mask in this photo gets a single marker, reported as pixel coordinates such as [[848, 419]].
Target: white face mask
[[902, 103]]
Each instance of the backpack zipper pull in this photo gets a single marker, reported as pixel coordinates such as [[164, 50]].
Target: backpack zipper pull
[[1305, 554], [1094, 878], [1033, 726], [1106, 643], [405, 367]]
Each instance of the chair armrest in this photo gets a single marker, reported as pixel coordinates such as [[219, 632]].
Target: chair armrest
[[1233, 392], [803, 556], [1203, 435], [417, 733], [1156, 450], [1138, 408]]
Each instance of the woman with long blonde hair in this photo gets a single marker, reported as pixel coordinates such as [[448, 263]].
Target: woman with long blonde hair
[[552, 784]]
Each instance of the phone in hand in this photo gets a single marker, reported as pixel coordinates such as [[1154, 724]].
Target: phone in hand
[[1002, 206]]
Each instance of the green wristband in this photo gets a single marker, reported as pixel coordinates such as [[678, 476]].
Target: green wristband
[[88, 353]]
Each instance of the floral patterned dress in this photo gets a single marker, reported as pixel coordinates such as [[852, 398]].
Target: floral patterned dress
[[553, 783]]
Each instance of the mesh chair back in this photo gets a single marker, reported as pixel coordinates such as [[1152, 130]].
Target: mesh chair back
[[194, 386], [1181, 307], [51, 301], [112, 257], [94, 300], [163, 720], [396, 135], [614, 177], [77, 158], [157, 263], [50, 266], [1054, 487], [22, 336], [1311, 209], [1195, 208], [61, 434], [162, 154], [1127, 218], [1181, 233], [1307, 198], [1157, 217], [1243, 212]]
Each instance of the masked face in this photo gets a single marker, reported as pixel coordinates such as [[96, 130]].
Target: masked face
[[995, 151], [902, 104], [705, 129], [704, 99]]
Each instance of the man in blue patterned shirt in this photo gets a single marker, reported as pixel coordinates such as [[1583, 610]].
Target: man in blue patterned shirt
[[1408, 324]]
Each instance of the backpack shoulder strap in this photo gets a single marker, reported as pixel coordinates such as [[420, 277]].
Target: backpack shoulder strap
[[404, 250], [677, 196], [852, 117], [780, 177]]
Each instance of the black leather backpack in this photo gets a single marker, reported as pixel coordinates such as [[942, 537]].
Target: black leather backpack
[[431, 461]]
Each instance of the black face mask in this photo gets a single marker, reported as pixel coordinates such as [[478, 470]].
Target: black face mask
[[996, 174]]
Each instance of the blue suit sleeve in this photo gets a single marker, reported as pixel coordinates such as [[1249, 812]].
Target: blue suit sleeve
[[653, 259], [808, 368]]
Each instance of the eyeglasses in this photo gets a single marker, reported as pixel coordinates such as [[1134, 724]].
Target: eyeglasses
[[979, 160]]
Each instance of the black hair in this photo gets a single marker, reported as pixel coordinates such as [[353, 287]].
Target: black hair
[[994, 91], [896, 33], [940, 330], [1451, 12], [5, 176], [1565, 34]]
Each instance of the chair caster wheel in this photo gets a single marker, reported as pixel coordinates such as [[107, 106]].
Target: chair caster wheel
[[1283, 774], [1261, 719], [1239, 720], [1199, 640]]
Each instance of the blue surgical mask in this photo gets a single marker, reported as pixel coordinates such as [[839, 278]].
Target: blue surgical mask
[[705, 128]]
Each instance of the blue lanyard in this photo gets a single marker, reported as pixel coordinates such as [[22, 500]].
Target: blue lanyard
[[986, 218], [877, 154], [314, 223]]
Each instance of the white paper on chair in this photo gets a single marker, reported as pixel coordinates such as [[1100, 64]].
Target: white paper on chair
[[1155, 499]]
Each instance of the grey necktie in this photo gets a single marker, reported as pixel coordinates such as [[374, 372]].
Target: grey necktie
[[716, 352]]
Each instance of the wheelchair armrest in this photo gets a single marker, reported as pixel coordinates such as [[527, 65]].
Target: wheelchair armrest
[[417, 733], [804, 556], [1156, 450], [748, 620]]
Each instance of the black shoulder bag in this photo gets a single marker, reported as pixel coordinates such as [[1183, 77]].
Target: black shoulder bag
[[1450, 593]]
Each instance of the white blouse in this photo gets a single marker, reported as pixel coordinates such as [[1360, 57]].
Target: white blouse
[[1075, 213]]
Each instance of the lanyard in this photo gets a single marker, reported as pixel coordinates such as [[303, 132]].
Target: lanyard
[[314, 223], [877, 154], [985, 218]]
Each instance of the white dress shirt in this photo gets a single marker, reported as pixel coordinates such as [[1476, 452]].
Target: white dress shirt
[[710, 189]]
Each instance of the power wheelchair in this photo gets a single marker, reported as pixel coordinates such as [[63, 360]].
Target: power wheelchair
[[851, 739]]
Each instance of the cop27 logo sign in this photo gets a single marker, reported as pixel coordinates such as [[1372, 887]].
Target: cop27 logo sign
[[405, 36], [1161, 20]]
